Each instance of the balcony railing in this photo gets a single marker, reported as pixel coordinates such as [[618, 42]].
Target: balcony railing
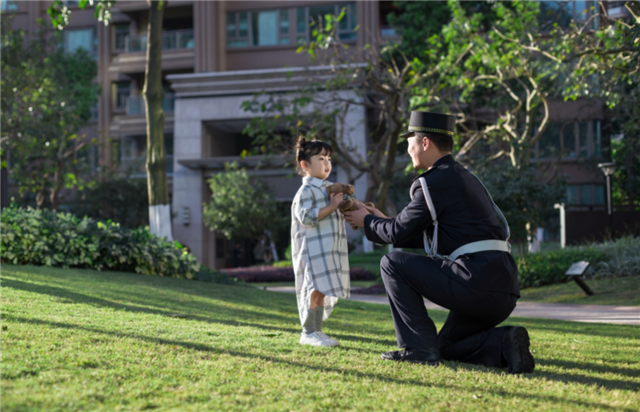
[[135, 104], [176, 39]]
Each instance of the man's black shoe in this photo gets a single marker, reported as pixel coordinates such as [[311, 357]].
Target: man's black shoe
[[429, 357], [515, 349]]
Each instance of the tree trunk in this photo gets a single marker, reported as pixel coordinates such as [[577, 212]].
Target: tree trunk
[[57, 185], [40, 196], [159, 209], [382, 194]]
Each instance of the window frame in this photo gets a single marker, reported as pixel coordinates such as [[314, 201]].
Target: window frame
[[94, 40], [117, 86], [303, 38], [7, 6], [115, 36], [583, 146], [249, 37]]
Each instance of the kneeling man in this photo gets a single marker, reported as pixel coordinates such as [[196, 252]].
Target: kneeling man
[[469, 269]]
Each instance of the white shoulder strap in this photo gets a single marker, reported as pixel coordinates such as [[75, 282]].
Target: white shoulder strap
[[431, 247]]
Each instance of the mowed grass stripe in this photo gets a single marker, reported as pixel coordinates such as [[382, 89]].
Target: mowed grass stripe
[[86, 340]]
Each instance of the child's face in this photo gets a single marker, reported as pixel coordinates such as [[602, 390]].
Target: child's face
[[319, 166]]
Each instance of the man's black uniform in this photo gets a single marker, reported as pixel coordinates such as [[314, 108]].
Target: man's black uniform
[[479, 289]]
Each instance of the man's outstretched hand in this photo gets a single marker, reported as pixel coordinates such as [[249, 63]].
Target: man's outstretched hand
[[356, 217]]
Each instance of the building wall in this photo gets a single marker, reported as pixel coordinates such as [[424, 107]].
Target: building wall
[[190, 188]]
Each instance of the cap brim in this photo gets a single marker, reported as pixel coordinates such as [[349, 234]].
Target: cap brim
[[406, 134]]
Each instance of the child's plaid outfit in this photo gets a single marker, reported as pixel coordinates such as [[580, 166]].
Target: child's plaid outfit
[[318, 248]]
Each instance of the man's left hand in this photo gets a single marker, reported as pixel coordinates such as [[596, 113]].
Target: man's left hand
[[356, 217]]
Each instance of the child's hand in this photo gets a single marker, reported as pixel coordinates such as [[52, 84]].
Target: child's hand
[[374, 211], [336, 198]]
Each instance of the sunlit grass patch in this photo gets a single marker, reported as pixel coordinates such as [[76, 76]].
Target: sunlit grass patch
[[85, 340]]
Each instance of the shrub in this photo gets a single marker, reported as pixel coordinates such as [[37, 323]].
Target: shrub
[[206, 274], [623, 258], [43, 237], [620, 257], [546, 268], [122, 200]]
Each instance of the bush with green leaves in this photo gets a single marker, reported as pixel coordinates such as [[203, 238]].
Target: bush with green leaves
[[121, 199], [547, 268], [241, 206], [43, 237], [623, 258]]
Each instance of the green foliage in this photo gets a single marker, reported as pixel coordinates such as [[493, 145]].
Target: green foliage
[[241, 206], [547, 268], [119, 199], [522, 196], [206, 274], [46, 98], [282, 263], [43, 237], [377, 79], [623, 258]]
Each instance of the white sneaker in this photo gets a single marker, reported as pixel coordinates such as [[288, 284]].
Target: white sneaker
[[323, 335], [313, 339]]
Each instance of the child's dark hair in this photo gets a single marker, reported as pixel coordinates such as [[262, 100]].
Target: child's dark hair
[[305, 149]]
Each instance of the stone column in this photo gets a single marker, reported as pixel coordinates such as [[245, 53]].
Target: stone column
[[206, 22], [188, 183]]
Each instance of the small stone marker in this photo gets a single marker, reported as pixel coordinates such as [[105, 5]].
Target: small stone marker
[[576, 271]]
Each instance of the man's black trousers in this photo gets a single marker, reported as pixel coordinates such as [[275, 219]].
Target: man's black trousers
[[469, 333]]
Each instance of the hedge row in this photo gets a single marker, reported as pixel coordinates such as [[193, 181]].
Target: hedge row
[[539, 269], [43, 237]]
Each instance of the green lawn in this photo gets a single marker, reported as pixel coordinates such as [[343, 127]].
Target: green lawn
[[84, 340], [614, 291]]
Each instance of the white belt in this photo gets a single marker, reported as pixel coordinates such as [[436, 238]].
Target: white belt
[[480, 246]]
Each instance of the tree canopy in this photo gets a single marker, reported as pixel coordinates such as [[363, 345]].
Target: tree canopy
[[47, 97]]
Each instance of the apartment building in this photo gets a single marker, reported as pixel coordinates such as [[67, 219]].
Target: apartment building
[[217, 54]]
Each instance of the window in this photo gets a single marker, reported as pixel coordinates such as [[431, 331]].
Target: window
[[585, 195], [264, 28], [574, 140], [308, 18], [572, 194], [121, 92], [597, 150], [569, 142], [549, 143], [599, 194], [8, 5], [75, 39], [237, 30], [564, 12], [121, 33], [258, 28]]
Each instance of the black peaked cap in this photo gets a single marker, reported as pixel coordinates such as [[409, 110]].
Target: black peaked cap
[[427, 122]]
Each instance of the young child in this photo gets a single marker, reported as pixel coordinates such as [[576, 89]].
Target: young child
[[318, 243]]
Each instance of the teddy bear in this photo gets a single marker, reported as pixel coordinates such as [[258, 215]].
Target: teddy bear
[[350, 202]]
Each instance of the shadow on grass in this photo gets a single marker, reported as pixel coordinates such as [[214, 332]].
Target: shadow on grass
[[568, 377], [325, 368], [240, 313], [579, 328]]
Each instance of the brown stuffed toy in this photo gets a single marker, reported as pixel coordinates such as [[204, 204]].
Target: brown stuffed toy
[[350, 202]]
